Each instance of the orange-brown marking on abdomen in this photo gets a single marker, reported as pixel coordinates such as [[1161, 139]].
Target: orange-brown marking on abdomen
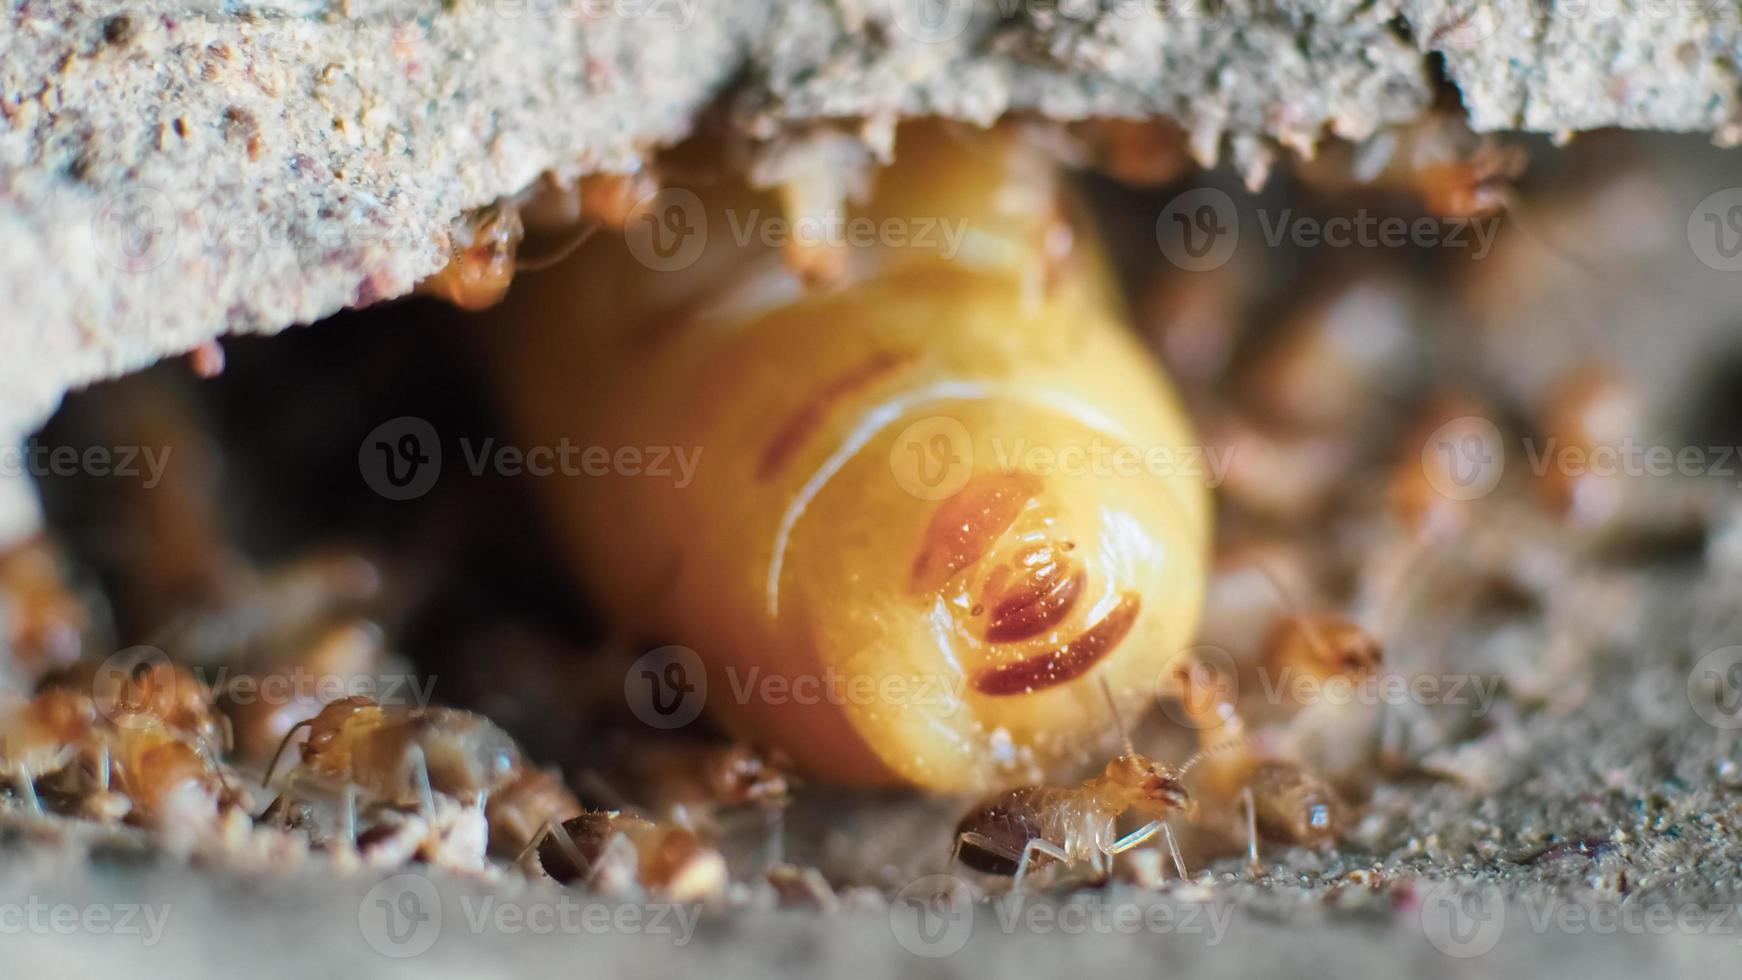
[[1038, 602], [965, 525], [792, 432], [1064, 663]]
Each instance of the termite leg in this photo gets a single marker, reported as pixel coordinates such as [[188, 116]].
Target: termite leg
[[425, 795], [775, 852], [554, 828], [103, 765], [350, 814], [1043, 846], [981, 841], [1179, 863], [1251, 831], [1134, 838], [26, 786]]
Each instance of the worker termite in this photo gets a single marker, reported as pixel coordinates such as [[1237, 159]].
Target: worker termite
[[521, 809], [691, 783], [149, 686], [1010, 832], [43, 736], [482, 249], [1278, 798], [481, 259], [1456, 172], [42, 621], [873, 501], [1597, 456], [400, 756], [607, 850], [264, 704], [168, 783]]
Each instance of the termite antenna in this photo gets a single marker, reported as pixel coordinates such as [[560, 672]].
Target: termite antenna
[[266, 780], [1293, 607], [560, 255], [1118, 722], [1202, 754], [1511, 204]]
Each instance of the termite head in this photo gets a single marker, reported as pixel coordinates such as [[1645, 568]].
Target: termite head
[[481, 259], [1324, 645], [1152, 789], [465, 752], [326, 730], [747, 775]]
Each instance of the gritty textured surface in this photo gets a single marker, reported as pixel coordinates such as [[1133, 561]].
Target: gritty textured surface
[[171, 171], [1616, 797]]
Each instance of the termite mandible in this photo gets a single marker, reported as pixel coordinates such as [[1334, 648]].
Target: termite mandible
[[936, 497]]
